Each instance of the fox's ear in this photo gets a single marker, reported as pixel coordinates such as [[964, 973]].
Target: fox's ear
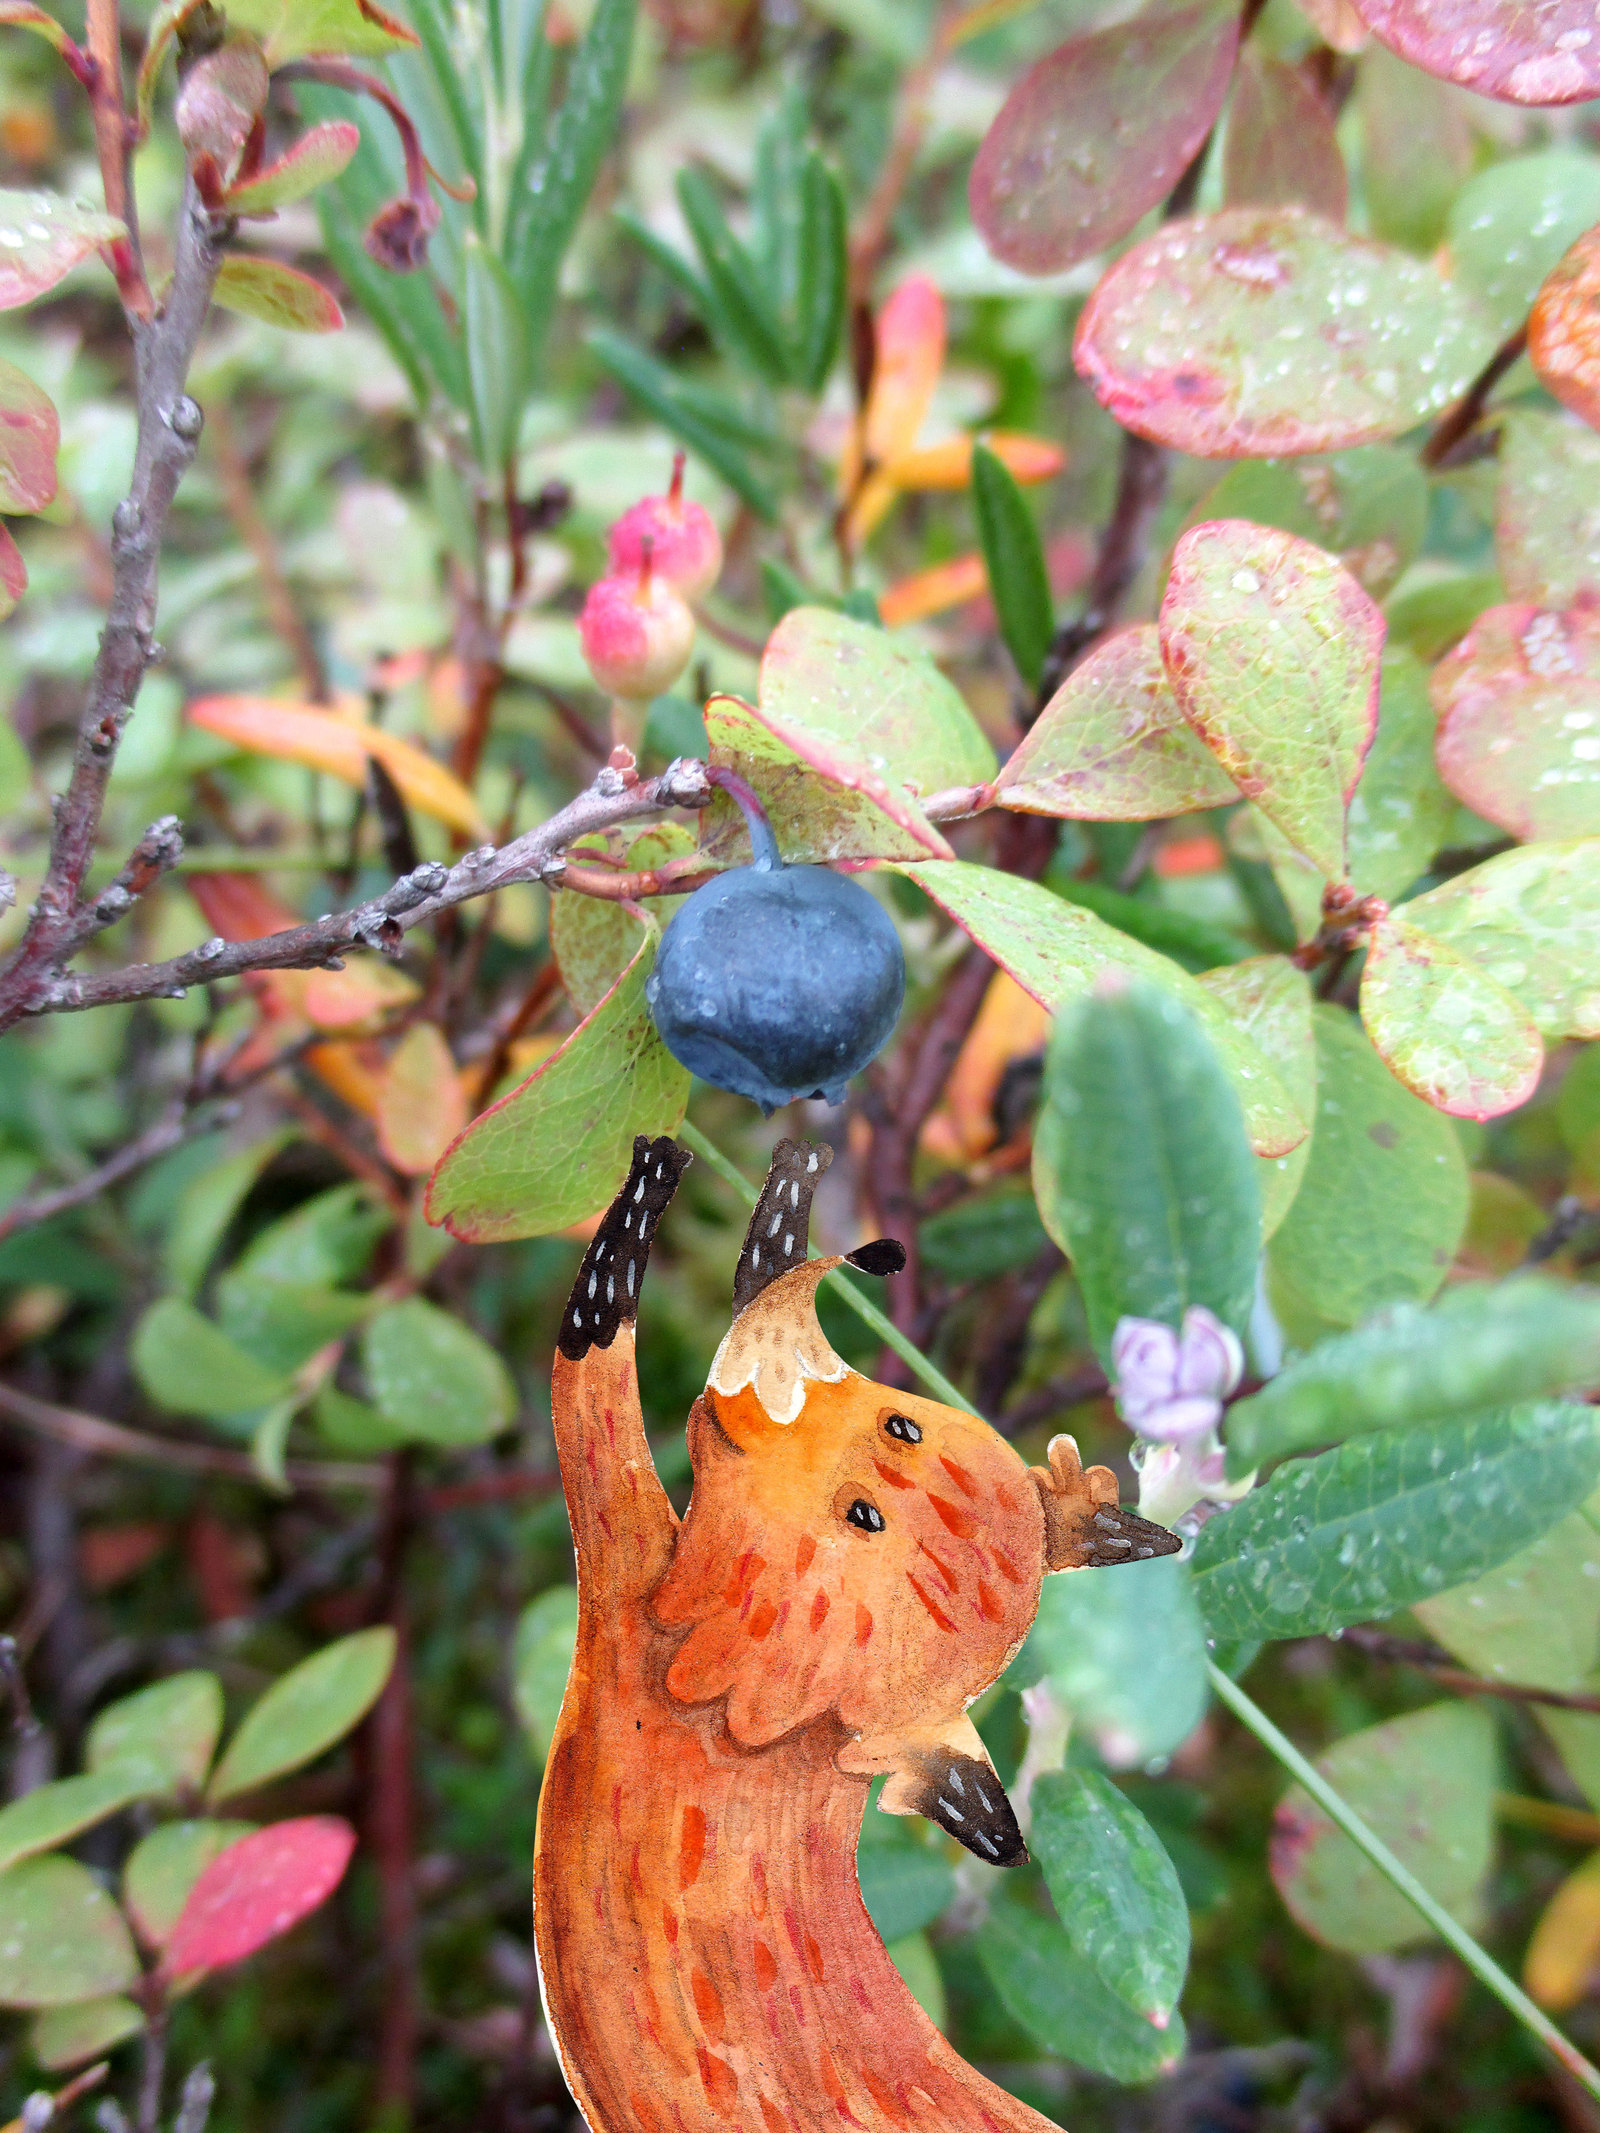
[[943, 1773]]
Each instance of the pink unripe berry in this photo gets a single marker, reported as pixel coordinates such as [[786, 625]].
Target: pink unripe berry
[[637, 632], [686, 548]]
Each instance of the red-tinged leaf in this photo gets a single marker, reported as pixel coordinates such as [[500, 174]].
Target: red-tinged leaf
[[1281, 149], [1444, 1027], [13, 574], [1522, 54], [909, 354], [42, 238], [1547, 509], [1519, 719], [1530, 918], [30, 437], [23, 15], [281, 296], [257, 1889], [1097, 133], [423, 1106], [286, 27], [1273, 650], [1268, 330], [1112, 744], [315, 158], [1564, 327]]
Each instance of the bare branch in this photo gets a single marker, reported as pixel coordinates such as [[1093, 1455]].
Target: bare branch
[[169, 429], [180, 1122], [1456, 425]]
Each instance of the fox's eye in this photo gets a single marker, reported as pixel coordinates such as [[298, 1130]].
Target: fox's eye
[[865, 1515], [904, 1428]]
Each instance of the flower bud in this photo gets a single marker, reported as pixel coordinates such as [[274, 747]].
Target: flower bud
[[685, 547], [222, 97], [637, 633]]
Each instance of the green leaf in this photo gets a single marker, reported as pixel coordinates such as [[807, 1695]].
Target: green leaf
[[289, 28], [165, 1865], [919, 1972], [559, 1145], [1390, 1518], [1273, 650], [61, 1936], [820, 298], [1400, 814], [1374, 1146], [1116, 1892], [167, 1732], [594, 939], [283, 1323], [1211, 336], [991, 1233], [318, 156], [1269, 1001], [1195, 944], [1531, 919], [1368, 506], [497, 356], [1013, 555], [30, 436], [1444, 1027], [1055, 950], [50, 1814], [1424, 1784], [1519, 720], [1142, 1168], [1477, 1347], [870, 695], [736, 287], [62, 2037], [905, 1885], [825, 802], [207, 1208], [435, 1378], [1511, 223], [351, 1426], [1535, 1618], [541, 1660], [282, 296], [304, 1712], [326, 1241], [42, 238], [551, 189], [1047, 1987], [1113, 746], [188, 1365], [1547, 509], [707, 424], [1126, 1655]]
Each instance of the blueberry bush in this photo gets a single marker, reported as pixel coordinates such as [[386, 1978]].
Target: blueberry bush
[[1013, 584]]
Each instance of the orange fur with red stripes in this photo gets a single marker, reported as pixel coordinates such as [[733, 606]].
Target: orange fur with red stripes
[[706, 1958]]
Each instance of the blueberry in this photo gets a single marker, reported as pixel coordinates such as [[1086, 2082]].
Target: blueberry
[[777, 982]]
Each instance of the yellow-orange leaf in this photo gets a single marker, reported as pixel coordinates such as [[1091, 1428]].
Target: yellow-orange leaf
[[909, 354], [325, 741], [930, 592], [345, 999], [1564, 330], [949, 465], [422, 1106], [1010, 1025], [1564, 1952]]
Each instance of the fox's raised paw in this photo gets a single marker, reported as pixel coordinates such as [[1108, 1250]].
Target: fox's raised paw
[[1084, 1525]]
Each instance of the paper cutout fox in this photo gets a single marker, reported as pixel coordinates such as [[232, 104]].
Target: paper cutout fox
[[857, 1564]]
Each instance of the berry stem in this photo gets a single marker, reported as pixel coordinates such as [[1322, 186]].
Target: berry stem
[[763, 844]]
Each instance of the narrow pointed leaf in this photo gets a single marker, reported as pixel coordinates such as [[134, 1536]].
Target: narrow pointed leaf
[[1053, 182], [1500, 48], [820, 298], [42, 238], [1112, 744], [1014, 558], [1531, 919], [257, 1888], [1263, 330], [497, 355], [1391, 1518], [1273, 651], [1056, 950], [304, 1712], [707, 425], [280, 296], [30, 437], [315, 158], [1519, 719], [558, 1146], [731, 276], [61, 1936], [1115, 1890], [1444, 1027]]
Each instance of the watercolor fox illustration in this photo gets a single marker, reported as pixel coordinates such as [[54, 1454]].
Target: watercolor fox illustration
[[856, 1565]]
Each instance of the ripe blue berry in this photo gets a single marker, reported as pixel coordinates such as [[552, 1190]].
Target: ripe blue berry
[[777, 982]]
